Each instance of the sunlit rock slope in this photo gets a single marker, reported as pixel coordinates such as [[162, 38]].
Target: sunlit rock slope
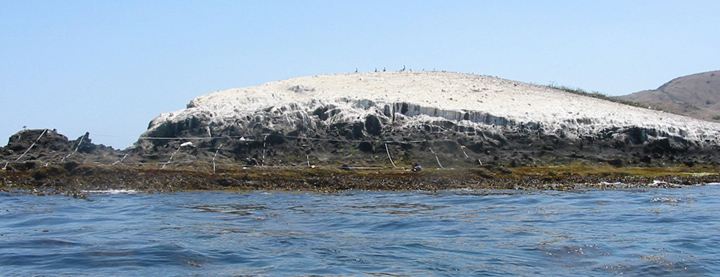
[[696, 95]]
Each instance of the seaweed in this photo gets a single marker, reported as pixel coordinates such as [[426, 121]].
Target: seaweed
[[88, 177]]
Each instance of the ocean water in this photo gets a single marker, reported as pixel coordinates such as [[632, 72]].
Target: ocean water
[[478, 233]]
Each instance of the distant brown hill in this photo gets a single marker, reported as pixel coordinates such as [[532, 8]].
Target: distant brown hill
[[696, 95]]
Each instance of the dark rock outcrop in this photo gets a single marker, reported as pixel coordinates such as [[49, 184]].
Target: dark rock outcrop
[[29, 149]]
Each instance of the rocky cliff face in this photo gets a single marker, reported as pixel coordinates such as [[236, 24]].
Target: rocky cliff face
[[436, 118]]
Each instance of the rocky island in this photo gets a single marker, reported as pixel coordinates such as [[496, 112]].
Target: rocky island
[[370, 130]]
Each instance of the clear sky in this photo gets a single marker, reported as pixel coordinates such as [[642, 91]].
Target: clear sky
[[109, 67]]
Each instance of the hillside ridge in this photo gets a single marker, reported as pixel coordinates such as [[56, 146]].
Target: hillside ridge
[[696, 95]]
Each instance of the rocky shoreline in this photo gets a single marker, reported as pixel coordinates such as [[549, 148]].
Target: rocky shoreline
[[44, 162], [468, 132], [80, 179]]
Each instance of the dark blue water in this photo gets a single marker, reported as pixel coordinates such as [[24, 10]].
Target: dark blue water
[[634, 232]]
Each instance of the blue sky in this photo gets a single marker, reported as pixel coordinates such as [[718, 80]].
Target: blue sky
[[109, 67]]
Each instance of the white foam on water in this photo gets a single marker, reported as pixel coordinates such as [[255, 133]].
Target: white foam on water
[[112, 191]]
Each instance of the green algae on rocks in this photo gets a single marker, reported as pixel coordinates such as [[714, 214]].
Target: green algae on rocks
[[58, 179]]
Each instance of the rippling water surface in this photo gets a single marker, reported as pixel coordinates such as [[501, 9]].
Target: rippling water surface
[[639, 232]]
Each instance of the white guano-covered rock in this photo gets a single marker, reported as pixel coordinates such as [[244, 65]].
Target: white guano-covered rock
[[409, 99]]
